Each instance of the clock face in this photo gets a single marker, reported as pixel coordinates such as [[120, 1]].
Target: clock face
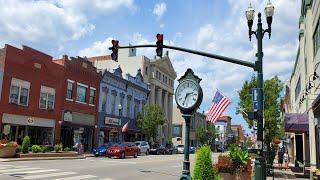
[[187, 94]]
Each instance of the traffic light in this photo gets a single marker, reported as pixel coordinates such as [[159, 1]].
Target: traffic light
[[114, 49], [159, 49]]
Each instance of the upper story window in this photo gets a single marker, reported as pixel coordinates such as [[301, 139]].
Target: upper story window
[[136, 108], [113, 101], [121, 99], [92, 95], [297, 89], [19, 92], [146, 71], [128, 105], [316, 39], [69, 89], [81, 92], [47, 96]]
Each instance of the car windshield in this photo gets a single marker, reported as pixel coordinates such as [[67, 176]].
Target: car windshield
[[118, 145], [137, 143]]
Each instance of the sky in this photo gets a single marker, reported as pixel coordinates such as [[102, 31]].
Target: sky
[[86, 28]]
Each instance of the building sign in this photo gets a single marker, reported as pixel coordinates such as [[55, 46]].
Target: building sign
[[112, 121], [30, 120], [67, 116]]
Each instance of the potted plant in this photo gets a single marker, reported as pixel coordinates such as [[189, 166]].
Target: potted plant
[[7, 149], [235, 165]]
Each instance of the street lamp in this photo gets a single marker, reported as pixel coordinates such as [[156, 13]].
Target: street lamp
[[260, 164]]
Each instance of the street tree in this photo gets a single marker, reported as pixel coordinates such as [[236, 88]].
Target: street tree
[[149, 120], [272, 122], [206, 134]]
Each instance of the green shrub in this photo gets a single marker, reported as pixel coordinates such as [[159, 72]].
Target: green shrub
[[58, 147], [44, 149], [66, 149], [25, 144], [239, 158], [19, 148], [203, 169], [36, 148]]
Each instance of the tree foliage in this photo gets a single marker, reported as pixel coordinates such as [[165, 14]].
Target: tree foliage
[[272, 89], [206, 134], [149, 120]]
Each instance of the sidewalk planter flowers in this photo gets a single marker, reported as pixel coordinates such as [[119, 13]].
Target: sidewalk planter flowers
[[236, 165], [7, 149]]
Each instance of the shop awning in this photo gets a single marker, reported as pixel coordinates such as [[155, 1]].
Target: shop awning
[[296, 122]]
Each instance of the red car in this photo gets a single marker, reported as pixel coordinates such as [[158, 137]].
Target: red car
[[122, 150]]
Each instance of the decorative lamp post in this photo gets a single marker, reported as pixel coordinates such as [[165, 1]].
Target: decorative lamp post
[[260, 164]]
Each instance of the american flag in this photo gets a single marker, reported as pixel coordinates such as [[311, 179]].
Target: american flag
[[219, 104], [125, 127]]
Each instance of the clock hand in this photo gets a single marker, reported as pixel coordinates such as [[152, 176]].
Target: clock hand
[[187, 94]]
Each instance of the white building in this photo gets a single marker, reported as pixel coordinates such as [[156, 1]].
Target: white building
[[302, 89], [158, 73]]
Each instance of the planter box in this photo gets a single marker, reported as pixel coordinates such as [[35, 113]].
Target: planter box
[[8, 152], [238, 176], [49, 154]]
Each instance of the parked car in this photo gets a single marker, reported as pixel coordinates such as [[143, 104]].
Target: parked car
[[122, 150], [102, 150], [192, 150], [170, 149], [143, 146], [180, 149], [157, 149]]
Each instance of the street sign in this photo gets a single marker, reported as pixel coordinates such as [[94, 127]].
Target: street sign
[[255, 94], [255, 105]]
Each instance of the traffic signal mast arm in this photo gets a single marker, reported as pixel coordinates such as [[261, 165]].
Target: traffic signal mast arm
[[222, 58]]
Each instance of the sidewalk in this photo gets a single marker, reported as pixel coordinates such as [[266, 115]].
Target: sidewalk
[[291, 173]]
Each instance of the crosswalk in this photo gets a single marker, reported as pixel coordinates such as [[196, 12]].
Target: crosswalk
[[26, 172]]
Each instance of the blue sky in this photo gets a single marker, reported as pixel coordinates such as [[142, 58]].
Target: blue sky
[[83, 27]]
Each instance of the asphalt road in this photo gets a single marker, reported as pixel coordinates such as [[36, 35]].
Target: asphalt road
[[152, 167]]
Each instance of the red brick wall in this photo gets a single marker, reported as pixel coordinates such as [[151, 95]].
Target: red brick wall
[[20, 64]]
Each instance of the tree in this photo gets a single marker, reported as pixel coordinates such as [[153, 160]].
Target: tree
[[206, 135], [149, 120], [272, 89]]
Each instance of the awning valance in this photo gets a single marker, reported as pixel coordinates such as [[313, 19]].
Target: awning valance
[[296, 122]]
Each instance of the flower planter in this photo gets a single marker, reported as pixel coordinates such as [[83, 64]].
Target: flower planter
[[8, 152], [236, 176]]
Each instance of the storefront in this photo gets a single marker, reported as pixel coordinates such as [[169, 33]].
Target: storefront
[[77, 128], [111, 129], [40, 130]]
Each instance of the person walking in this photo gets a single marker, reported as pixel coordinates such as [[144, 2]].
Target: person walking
[[286, 160], [280, 158]]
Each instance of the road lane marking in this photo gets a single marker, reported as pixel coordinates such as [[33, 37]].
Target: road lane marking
[[17, 170], [31, 172], [107, 179], [48, 175], [78, 177], [10, 167]]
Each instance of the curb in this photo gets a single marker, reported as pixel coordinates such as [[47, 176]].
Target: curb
[[43, 158]]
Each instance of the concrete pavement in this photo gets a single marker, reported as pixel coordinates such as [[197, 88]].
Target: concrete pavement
[[155, 167]]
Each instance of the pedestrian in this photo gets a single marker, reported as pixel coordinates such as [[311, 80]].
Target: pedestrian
[[280, 158], [286, 160]]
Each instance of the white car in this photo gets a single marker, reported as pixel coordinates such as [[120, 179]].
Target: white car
[[143, 146], [180, 149]]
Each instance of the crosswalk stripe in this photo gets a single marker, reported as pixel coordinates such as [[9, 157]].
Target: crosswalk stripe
[[10, 167], [48, 175], [77, 177], [31, 172], [107, 179], [17, 170]]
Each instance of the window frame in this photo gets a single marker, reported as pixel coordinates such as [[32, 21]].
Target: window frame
[[85, 94], [20, 84], [72, 89], [94, 95]]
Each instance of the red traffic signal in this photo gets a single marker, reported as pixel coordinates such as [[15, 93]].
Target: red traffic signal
[[159, 43], [114, 49]]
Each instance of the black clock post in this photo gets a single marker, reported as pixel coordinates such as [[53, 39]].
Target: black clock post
[[188, 97]]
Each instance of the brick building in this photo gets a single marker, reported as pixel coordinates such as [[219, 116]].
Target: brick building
[[80, 100], [30, 103]]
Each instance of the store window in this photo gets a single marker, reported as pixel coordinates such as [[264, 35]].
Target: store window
[[70, 89], [19, 92], [81, 93], [47, 96], [92, 94]]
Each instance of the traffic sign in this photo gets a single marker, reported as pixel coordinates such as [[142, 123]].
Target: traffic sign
[[255, 105], [255, 94]]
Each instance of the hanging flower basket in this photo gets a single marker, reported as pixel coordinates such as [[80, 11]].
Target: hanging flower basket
[[7, 149], [276, 141]]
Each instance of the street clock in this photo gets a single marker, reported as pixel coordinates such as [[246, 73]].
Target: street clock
[[189, 93]]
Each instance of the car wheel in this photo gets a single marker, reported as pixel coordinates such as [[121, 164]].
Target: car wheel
[[122, 156], [135, 155], [158, 153], [164, 153], [96, 155], [147, 152]]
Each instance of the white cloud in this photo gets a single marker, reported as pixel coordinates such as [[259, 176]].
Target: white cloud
[[159, 9], [43, 24], [98, 48]]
